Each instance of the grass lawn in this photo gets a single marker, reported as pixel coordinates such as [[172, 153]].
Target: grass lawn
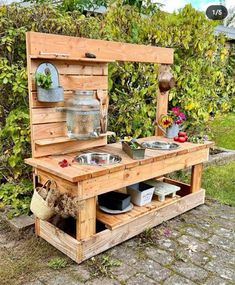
[[223, 129], [219, 182]]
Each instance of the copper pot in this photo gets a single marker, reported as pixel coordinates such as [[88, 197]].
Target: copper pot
[[166, 81]]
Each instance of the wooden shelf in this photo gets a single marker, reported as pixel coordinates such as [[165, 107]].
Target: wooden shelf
[[67, 58], [114, 221], [43, 142]]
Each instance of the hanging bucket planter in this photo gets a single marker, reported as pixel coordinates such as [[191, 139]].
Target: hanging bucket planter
[[47, 80]]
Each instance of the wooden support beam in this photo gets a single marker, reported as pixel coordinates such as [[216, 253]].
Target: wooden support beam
[[162, 101], [86, 219], [75, 48], [196, 177]]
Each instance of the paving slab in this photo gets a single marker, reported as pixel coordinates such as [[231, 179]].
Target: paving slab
[[196, 248], [177, 280]]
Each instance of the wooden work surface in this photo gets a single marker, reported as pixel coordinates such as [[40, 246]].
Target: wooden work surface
[[75, 172]]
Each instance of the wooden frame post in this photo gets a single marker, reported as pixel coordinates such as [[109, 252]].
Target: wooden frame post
[[162, 102], [196, 177], [86, 219]]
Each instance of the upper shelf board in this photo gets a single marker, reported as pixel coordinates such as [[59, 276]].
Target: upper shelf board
[[68, 58], [75, 47]]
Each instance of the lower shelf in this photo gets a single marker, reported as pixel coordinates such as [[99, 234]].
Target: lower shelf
[[114, 221], [80, 250]]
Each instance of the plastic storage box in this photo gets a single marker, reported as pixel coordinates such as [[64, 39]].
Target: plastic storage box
[[141, 193], [114, 200]]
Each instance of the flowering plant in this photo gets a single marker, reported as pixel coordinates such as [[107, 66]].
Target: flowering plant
[[175, 116]]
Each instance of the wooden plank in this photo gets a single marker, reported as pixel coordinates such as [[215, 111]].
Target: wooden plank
[[60, 240], [76, 82], [64, 186], [196, 177], [67, 147], [57, 56], [116, 180], [77, 47], [73, 68], [66, 173], [47, 115], [36, 104], [139, 172], [107, 239], [185, 188], [94, 171], [86, 219], [162, 104], [37, 226], [112, 222], [64, 139], [50, 130]]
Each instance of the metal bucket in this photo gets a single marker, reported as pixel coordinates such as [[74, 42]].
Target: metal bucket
[[51, 95]]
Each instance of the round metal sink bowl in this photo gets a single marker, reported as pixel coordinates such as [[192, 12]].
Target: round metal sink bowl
[[160, 145], [98, 158]]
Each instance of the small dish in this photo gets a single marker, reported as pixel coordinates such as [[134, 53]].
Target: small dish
[[116, 212], [160, 145]]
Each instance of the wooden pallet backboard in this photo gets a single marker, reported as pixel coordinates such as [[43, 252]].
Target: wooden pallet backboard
[[76, 72]]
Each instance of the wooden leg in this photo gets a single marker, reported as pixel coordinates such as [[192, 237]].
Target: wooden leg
[[196, 177], [37, 226], [86, 219]]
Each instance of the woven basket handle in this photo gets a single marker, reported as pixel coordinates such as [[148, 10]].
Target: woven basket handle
[[48, 185]]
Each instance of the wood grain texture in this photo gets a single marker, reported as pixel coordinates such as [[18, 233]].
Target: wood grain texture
[[67, 147], [86, 219], [72, 68], [109, 238], [79, 82], [162, 102], [47, 115], [114, 221], [128, 171], [196, 177], [60, 240], [77, 47], [95, 186], [64, 186], [50, 130]]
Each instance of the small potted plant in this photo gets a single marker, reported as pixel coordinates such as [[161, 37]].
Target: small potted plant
[[133, 148], [170, 123], [47, 81]]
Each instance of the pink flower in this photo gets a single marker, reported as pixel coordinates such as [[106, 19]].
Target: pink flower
[[182, 116], [167, 232], [176, 110], [178, 122]]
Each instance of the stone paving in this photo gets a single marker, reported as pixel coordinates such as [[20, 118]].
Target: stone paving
[[197, 247]]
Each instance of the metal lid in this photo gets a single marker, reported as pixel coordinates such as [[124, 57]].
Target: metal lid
[[83, 92]]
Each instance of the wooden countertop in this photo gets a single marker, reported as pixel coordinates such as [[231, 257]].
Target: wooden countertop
[[75, 172]]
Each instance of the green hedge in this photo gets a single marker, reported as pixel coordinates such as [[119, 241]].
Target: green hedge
[[204, 85]]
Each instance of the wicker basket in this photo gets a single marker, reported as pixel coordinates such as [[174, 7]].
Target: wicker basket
[[39, 205]]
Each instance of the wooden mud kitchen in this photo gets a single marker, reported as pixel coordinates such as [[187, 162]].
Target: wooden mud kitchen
[[78, 64]]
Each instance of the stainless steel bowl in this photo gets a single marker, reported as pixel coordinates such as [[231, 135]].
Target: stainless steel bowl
[[98, 158], [160, 145]]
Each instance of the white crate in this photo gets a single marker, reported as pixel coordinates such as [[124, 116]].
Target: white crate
[[140, 197], [163, 189]]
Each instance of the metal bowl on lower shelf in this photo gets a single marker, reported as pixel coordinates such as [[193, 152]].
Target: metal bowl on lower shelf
[[98, 158], [160, 145]]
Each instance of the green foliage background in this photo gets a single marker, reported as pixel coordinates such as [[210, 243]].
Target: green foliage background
[[205, 85]]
